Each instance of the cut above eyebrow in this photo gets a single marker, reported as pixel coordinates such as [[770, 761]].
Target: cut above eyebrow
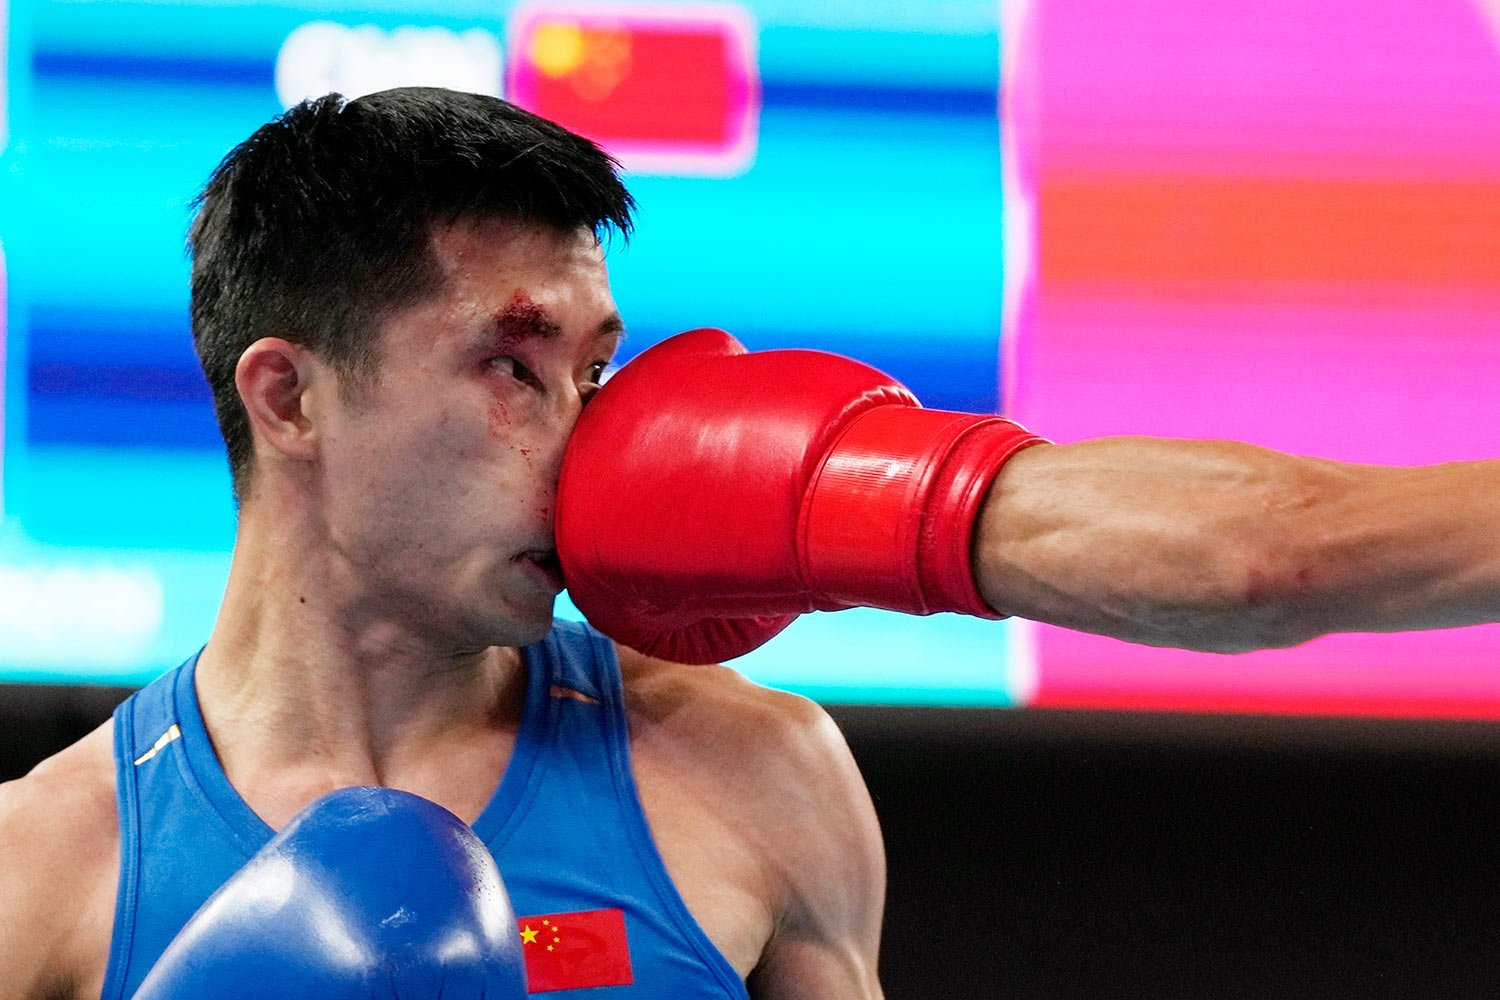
[[524, 320]]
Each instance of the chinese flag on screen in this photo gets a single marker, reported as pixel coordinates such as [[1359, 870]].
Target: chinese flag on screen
[[574, 951], [678, 84]]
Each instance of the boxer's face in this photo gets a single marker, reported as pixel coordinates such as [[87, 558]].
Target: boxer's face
[[441, 476]]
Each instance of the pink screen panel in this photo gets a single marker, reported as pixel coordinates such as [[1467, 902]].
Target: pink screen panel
[[1277, 222]]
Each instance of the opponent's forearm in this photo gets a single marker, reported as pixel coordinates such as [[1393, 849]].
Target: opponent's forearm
[[1224, 546]]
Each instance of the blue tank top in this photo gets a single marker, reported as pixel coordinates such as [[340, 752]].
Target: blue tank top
[[565, 824]]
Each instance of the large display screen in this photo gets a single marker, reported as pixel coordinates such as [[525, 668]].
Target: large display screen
[[1273, 221], [812, 174]]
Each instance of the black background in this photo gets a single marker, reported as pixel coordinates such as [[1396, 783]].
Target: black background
[[1071, 854]]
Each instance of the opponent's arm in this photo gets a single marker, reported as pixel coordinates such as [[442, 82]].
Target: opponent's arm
[[1227, 547], [758, 486]]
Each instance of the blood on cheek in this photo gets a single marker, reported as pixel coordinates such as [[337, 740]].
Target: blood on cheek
[[500, 419], [503, 427]]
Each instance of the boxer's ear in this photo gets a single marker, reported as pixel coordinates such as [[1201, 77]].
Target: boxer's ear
[[274, 377]]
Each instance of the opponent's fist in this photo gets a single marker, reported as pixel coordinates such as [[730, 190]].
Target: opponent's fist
[[709, 496], [367, 893]]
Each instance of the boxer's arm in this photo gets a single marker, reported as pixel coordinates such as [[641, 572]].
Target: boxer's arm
[[58, 866], [1228, 547], [30, 968], [828, 848], [764, 823]]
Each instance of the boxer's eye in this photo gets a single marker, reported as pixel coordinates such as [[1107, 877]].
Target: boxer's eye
[[600, 372], [511, 368]]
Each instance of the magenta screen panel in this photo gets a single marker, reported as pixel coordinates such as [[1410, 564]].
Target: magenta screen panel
[[1276, 221]]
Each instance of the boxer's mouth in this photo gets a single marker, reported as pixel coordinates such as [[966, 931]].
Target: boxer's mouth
[[546, 561]]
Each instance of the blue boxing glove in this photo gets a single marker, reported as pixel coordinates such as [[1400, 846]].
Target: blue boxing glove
[[367, 893]]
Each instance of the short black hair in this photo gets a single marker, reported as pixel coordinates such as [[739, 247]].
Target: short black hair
[[317, 226]]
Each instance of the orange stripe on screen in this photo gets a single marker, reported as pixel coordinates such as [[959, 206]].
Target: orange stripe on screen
[[1196, 233]]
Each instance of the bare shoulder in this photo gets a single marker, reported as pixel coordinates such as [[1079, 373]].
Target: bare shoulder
[[59, 861], [771, 742], [67, 800], [776, 769]]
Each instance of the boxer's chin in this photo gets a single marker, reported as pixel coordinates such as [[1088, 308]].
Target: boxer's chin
[[521, 619], [532, 630]]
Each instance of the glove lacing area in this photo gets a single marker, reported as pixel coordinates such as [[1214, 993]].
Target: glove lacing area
[[888, 517]]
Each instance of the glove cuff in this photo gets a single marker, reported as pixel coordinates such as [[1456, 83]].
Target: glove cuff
[[888, 518]]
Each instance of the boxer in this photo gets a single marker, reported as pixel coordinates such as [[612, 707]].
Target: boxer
[[401, 306]]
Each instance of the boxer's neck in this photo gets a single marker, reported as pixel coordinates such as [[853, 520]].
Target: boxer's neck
[[315, 694]]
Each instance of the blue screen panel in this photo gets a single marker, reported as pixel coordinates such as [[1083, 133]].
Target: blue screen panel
[[854, 204]]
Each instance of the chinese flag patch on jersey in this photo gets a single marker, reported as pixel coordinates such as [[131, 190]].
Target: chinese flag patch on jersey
[[575, 951]]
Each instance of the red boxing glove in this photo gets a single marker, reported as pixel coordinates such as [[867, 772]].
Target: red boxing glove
[[709, 496]]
